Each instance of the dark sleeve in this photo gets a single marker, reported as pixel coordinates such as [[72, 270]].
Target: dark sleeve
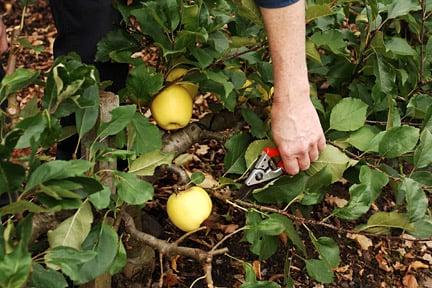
[[275, 3]]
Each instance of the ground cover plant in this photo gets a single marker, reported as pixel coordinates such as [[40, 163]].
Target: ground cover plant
[[85, 222]]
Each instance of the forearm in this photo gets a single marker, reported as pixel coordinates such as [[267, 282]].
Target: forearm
[[286, 33]]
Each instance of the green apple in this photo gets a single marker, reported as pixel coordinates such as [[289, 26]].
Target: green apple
[[188, 209]]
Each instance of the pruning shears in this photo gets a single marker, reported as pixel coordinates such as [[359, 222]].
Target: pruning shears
[[265, 168]]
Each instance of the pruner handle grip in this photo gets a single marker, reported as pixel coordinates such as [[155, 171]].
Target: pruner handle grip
[[273, 152]]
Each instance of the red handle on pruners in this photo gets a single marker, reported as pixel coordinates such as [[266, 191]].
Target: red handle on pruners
[[274, 152], [271, 152]]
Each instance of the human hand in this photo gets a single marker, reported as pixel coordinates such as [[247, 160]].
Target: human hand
[[296, 131], [3, 38]]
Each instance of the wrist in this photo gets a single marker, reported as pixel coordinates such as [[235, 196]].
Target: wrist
[[292, 94]]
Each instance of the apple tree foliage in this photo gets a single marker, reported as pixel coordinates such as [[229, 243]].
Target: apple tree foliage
[[370, 69]]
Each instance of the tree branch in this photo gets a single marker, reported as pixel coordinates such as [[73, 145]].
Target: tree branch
[[302, 220], [172, 249]]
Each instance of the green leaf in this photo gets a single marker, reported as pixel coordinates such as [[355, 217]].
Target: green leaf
[[120, 260], [417, 201], [11, 176], [402, 8], [270, 226], [16, 81], [21, 206], [203, 56], [143, 136], [234, 160], [363, 195], [316, 11], [348, 115], [385, 76], [331, 39], [149, 26], [319, 270], [9, 142], [73, 231], [66, 258], [58, 169], [291, 232], [15, 267], [398, 141], [133, 190], [361, 138], [121, 117], [328, 250], [146, 164], [115, 41], [251, 281], [262, 245], [87, 117], [282, 190], [423, 155], [258, 127], [219, 41], [336, 161], [33, 130], [101, 199], [102, 240], [382, 222], [46, 278], [423, 177], [255, 149], [197, 178], [418, 106], [399, 46], [249, 10], [143, 82], [96, 257], [423, 228], [312, 52], [316, 187]]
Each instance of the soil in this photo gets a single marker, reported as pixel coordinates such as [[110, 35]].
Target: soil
[[387, 263]]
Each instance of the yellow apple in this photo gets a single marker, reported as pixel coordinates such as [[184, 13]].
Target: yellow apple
[[176, 74], [189, 208], [172, 108]]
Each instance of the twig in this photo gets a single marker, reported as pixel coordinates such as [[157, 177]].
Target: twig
[[196, 280], [184, 236], [302, 221], [226, 237], [161, 270], [385, 123], [421, 40]]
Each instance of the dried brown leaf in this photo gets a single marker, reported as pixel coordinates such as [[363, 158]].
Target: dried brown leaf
[[382, 263], [256, 265], [427, 257], [174, 263], [184, 159], [171, 279], [336, 201], [363, 241], [409, 281], [228, 229], [417, 265], [202, 150]]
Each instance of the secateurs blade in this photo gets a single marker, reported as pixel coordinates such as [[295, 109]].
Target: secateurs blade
[[265, 169]]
